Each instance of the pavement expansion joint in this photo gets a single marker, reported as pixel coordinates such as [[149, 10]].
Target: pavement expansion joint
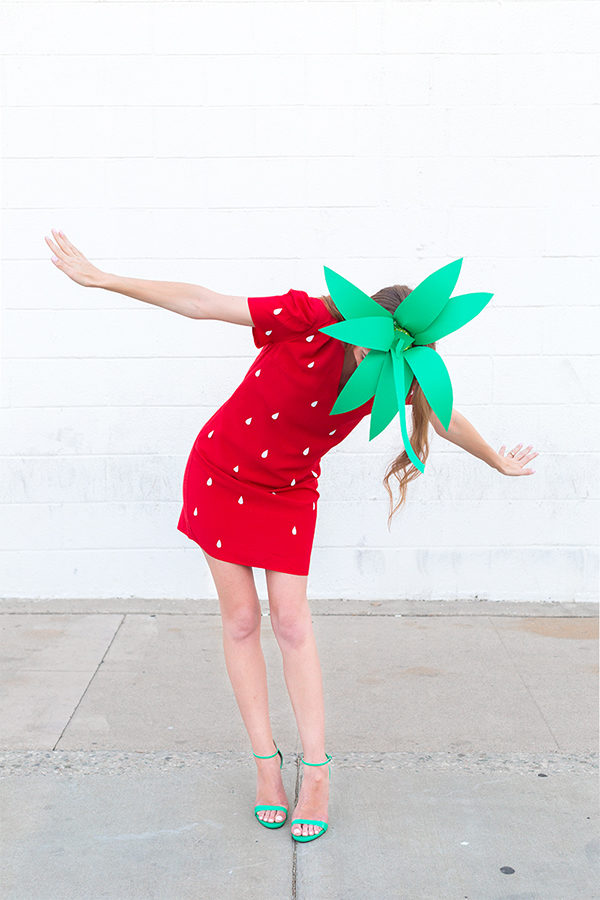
[[118, 762]]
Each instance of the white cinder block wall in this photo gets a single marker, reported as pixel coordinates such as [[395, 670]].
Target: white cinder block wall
[[242, 146]]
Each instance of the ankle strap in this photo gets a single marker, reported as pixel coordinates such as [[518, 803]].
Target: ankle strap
[[315, 764], [267, 757]]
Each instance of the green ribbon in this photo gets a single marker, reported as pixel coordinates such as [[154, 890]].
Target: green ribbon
[[396, 346]]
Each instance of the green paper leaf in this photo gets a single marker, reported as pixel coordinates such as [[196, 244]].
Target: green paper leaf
[[428, 299], [404, 340], [428, 313], [457, 312], [402, 387], [385, 404], [350, 300], [361, 385], [372, 332], [431, 373]]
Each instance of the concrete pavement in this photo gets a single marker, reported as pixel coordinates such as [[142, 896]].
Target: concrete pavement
[[464, 738]]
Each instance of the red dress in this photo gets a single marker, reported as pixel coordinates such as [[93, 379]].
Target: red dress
[[250, 484]]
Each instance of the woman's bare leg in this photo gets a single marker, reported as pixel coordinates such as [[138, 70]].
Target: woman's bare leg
[[245, 662], [292, 624]]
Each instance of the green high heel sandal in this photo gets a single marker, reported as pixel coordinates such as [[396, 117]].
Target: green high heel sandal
[[324, 825], [260, 806]]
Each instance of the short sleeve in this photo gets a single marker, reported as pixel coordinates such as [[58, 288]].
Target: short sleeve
[[285, 316]]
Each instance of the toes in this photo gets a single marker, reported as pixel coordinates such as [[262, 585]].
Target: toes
[[271, 815], [306, 830]]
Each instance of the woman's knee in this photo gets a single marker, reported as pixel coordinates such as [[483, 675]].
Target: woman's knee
[[292, 627], [241, 623], [238, 599], [290, 612]]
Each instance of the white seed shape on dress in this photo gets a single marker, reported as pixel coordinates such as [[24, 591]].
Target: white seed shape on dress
[[270, 331], [293, 481], [314, 504], [241, 500], [274, 492], [257, 373], [209, 481], [210, 433], [314, 403], [236, 468], [310, 337], [248, 420], [277, 311], [219, 543], [264, 453], [196, 511], [314, 473], [274, 415], [311, 364], [334, 431], [305, 451], [294, 530]]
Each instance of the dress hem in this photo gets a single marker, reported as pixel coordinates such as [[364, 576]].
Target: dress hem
[[239, 562]]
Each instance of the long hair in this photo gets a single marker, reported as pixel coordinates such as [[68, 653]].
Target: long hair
[[401, 467]]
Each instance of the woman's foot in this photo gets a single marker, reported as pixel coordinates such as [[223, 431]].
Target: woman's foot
[[313, 800], [270, 789]]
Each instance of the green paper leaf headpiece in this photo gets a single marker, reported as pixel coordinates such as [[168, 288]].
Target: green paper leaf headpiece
[[396, 344]]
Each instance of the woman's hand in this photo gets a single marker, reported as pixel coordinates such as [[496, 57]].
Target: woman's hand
[[513, 462], [72, 262]]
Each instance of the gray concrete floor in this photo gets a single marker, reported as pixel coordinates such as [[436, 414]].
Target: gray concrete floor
[[464, 738]]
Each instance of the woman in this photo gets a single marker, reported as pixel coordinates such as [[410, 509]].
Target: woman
[[250, 498]]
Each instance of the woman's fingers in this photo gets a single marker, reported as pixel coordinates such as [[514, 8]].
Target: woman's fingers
[[55, 249], [524, 457], [62, 242], [59, 240], [66, 243], [69, 260], [60, 249], [515, 460]]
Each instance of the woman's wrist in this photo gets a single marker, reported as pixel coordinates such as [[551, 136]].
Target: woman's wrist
[[497, 462], [103, 280]]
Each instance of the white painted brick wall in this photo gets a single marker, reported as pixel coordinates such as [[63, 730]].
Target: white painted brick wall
[[242, 146]]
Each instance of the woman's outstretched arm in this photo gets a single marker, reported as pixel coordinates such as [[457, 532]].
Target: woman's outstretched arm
[[461, 432], [190, 300]]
